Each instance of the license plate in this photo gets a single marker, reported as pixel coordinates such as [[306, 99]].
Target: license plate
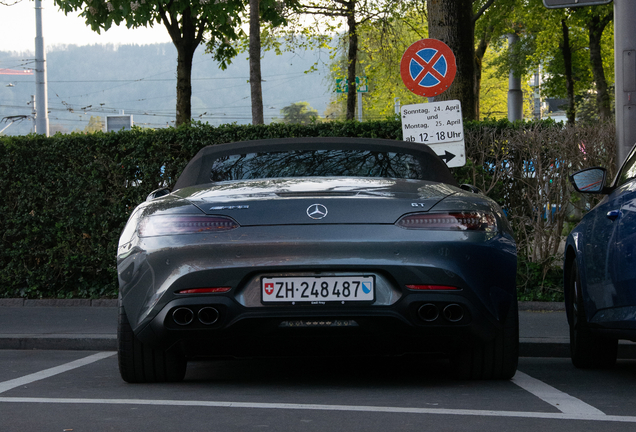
[[317, 289]]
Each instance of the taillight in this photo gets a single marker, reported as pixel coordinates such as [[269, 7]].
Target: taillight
[[204, 290], [182, 224], [454, 221]]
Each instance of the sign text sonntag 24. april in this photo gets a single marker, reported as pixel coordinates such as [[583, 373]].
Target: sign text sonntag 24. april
[[439, 125]]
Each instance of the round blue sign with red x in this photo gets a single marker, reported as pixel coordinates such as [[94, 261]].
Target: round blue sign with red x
[[428, 67]]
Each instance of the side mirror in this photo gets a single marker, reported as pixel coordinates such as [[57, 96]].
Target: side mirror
[[157, 193], [591, 180]]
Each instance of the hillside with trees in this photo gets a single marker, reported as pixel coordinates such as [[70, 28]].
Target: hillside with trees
[[100, 80]]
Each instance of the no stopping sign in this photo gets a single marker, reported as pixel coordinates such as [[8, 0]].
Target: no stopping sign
[[428, 67]]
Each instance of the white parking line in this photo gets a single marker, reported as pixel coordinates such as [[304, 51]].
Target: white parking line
[[562, 401], [28, 379], [317, 407], [571, 408]]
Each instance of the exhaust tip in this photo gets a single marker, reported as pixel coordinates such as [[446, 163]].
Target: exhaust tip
[[453, 312], [208, 315], [183, 316], [428, 312]]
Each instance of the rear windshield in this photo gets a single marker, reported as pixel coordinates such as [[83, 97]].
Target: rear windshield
[[316, 163]]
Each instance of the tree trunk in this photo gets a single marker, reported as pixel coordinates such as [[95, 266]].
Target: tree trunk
[[184, 84], [352, 59], [256, 90], [452, 23], [596, 26], [480, 52], [566, 51], [186, 39]]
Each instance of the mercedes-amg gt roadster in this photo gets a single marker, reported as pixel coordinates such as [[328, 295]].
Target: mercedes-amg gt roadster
[[317, 247]]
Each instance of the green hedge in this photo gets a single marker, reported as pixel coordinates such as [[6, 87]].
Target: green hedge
[[65, 199]]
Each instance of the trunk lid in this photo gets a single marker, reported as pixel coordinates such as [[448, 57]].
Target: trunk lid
[[316, 200]]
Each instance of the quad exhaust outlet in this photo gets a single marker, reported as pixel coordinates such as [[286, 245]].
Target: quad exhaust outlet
[[430, 312], [453, 312], [208, 315], [184, 316]]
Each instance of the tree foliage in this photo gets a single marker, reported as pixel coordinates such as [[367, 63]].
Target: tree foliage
[[354, 13], [95, 124], [300, 113], [468, 28], [263, 16], [557, 42], [493, 89], [187, 23], [383, 40], [382, 43], [492, 22]]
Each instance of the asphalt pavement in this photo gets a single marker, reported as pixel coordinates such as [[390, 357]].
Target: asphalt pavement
[[92, 325]]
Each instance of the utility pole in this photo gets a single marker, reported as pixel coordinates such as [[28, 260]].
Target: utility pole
[[625, 70], [515, 96], [536, 94], [41, 92]]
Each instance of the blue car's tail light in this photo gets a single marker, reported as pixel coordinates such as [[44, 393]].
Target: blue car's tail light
[[454, 221], [182, 224]]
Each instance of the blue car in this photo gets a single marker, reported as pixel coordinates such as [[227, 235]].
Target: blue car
[[600, 268]]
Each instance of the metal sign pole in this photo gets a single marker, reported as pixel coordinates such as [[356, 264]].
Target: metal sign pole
[[625, 70]]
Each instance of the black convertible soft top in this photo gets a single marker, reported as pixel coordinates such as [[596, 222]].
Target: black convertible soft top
[[199, 168]]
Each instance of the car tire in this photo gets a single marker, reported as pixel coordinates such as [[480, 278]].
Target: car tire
[[496, 359], [139, 363], [587, 350]]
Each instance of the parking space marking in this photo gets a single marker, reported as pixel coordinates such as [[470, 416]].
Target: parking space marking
[[318, 407], [571, 408], [562, 401], [28, 379]]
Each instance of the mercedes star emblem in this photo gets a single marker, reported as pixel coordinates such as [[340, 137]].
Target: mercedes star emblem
[[317, 211]]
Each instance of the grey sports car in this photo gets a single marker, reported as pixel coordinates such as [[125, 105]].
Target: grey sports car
[[317, 246]]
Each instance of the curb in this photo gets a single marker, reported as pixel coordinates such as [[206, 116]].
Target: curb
[[21, 302], [98, 342], [527, 347], [101, 342], [534, 306]]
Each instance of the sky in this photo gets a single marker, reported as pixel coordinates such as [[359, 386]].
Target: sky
[[17, 29]]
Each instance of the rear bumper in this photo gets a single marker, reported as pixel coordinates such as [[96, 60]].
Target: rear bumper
[[410, 325], [483, 269]]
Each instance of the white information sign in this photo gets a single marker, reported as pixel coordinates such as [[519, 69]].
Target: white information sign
[[440, 126], [115, 123]]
